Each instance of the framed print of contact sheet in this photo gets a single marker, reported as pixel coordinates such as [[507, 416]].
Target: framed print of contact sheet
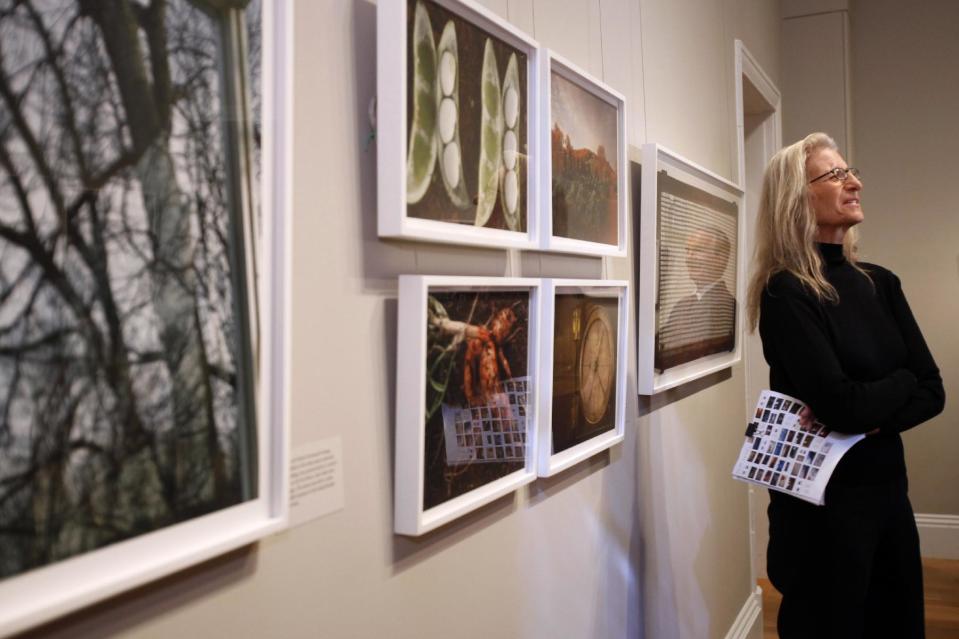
[[457, 125], [582, 394], [465, 429], [690, 272], [585, 171], [144, 289]]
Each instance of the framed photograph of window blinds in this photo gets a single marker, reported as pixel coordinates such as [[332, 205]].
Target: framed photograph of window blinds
[[144, 286], [690, 271]]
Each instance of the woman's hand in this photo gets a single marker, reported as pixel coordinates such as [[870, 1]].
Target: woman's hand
[[806, 419]]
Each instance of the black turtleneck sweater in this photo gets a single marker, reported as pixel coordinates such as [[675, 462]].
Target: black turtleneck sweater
[[859, 364]]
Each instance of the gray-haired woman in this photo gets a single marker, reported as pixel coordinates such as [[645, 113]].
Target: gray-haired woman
[[839, 335]]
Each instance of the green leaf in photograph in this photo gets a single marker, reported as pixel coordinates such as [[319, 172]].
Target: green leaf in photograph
[[491, 138], [421, 151]]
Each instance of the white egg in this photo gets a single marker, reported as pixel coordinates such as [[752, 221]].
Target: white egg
[[447, 73], [451, 164], [511, 190], [509, 150], [511, 107], [447, 120]]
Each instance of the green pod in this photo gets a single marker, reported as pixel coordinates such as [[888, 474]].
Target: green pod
[[450, 156], [510, 186], [491, 137], [421, 151]]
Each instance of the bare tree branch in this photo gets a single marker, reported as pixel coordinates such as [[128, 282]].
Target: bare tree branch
[[70, 118], [119, 26], [29, 139]]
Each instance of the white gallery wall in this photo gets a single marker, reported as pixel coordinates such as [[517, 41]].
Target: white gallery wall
[[648, 540], [904, 107], [875, 74], [815, 70]]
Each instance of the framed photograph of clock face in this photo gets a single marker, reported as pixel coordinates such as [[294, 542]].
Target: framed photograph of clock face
[[584, 177], [465, 432], [583, 370], [456, 125], [690, 271]]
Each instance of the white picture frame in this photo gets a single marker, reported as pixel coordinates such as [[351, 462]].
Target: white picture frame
[[393, 135], [51, 591], [580, 447], [656, 159], [412, 516], [577, 78]]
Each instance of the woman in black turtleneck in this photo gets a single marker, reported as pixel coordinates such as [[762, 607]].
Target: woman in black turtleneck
[[838, 334]]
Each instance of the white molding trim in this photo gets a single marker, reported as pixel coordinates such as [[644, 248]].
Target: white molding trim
[[745, 64], [938, 535], [748, 615]]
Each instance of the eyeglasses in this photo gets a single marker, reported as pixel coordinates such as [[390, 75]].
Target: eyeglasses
[[838, 175]]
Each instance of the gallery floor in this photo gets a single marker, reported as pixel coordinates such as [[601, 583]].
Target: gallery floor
[[941, 579]]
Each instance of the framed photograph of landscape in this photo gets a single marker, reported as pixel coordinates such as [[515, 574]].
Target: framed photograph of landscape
[[690, 271], [585, 171], [144, 295], [465, 395], [582, 390], [457, 125]]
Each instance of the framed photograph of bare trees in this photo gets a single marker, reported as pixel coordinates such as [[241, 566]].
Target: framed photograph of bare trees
[[585, 172], [582, 394], [690, 271], [465, 432], [457, 125], [143, 324]]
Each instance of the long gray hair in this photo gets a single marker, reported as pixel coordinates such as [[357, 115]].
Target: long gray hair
[[786, 227]]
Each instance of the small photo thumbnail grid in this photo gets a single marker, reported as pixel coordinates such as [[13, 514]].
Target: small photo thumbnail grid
[[495, 432], [784, 456]]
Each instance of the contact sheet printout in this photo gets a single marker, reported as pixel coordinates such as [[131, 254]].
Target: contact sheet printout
[[781, 453]]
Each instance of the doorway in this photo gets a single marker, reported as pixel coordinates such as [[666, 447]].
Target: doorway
[[759, 131]]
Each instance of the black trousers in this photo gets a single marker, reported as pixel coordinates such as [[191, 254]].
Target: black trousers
[[850, 569]]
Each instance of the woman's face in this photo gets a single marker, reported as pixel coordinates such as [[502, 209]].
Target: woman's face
[[836, 204]]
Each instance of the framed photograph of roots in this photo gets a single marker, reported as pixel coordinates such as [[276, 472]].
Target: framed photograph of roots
[[456, 125], [465, 393], [582, 391], [690, 271], [143, 322], [585, 171]]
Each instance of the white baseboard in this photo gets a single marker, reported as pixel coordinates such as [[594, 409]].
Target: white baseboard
[[938, 535], [742, 627]]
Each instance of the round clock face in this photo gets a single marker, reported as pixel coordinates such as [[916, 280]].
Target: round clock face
[[597, 365]]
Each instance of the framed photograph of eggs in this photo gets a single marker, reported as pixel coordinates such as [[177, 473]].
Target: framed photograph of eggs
[[457, 125]]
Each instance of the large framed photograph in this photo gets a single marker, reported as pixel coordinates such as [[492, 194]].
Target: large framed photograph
[[457, 125], [584, 181], [143, 324], [465, 392], [690, 271], [582, 396]]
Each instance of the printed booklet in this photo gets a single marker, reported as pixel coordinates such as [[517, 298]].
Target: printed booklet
[[781, 454]]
